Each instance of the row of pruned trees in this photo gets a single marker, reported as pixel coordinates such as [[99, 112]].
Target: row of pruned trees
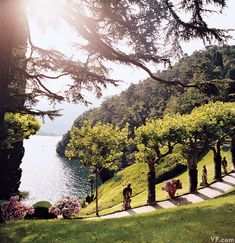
[[204, 128], [103, 145], [100, 26]]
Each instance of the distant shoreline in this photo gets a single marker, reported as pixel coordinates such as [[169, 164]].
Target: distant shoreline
[[49, 134]]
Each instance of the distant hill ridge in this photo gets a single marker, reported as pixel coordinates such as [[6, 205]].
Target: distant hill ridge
[[151, 99]]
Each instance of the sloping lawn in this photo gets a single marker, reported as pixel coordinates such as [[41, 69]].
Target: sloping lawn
[[110, 193], [192, 223]]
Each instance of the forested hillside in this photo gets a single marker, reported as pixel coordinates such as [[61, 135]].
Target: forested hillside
[[214, 68]]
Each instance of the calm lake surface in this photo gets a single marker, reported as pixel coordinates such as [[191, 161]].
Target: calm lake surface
[[46, 176]]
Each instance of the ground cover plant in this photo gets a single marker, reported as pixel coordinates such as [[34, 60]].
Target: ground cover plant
[[192, 223]]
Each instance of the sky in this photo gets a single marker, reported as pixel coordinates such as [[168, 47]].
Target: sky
[[62, 37]]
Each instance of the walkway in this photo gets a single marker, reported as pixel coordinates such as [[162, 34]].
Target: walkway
[[214, 190]]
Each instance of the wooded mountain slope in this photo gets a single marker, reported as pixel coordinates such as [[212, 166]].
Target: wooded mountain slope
[[213, 67]]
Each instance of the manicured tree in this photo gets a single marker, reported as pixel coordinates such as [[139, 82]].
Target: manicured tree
[[155, 140], [197, 139], [205, 128], [97, 147], [101, 26]]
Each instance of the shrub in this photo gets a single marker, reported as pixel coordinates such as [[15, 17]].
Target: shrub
[[83, 203], [14, 209], [41, 211], [42, 204], [66, 207], [171, 186]]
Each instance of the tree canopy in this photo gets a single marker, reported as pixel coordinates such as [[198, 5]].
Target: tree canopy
[[149, 99], [19, 127], [197, 130], [98, 147], [144, 26]]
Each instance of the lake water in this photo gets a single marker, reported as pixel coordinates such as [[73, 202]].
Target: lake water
[[46, 176]]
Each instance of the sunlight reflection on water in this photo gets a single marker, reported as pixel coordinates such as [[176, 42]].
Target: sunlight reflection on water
[[46, 176]]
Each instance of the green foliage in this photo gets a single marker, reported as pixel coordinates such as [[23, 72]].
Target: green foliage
[[149, 99], [195, 222], [19, 126], [110, 198], [154, 135], [44, 204], [41, 211], [171, 165], [98, 146], [203, 126], [209, 122]]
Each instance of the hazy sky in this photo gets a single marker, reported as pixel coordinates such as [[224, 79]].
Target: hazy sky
[[62, 37]]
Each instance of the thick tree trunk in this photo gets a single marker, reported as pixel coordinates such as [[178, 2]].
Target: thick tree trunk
[[192, 170], [13, 47], [151, 176], [10, 172], [217, 161], [193, 179], [6, 49], [232, 150]]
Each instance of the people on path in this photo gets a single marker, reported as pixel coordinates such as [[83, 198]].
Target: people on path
[[127, 192], [204, 176], [225, 164]]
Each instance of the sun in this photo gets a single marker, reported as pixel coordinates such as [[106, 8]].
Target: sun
[[42, 5], [43, 8], [47, 28]]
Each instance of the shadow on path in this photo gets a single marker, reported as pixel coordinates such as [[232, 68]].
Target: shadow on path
[[202, 195], [217, 189], [229, 183], [180, 201], [157, 207], [130, 212]]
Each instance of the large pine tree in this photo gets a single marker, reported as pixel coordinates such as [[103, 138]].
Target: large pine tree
[[145, 26]]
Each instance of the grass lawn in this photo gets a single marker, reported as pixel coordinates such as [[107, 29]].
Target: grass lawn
[[192, 223], [110, 193]]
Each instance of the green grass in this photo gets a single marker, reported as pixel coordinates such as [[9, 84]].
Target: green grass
[[110, 193], [192, 223]]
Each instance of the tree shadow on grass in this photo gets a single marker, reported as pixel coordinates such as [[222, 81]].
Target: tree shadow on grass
[[117, 178]]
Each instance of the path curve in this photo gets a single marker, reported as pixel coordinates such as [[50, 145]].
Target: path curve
[[214, 190]]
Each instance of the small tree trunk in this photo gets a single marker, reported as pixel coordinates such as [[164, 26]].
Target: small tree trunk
[[232, 150], [217, 161], [151, 176], [96, 192]]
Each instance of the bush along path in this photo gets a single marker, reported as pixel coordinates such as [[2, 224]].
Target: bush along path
[[213, 190]]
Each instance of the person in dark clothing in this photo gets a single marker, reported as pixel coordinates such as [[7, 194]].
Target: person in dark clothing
[[127, 192]]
